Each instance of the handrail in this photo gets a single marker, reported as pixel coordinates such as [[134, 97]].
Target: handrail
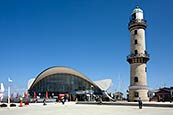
[[138, 55], [137, 21]]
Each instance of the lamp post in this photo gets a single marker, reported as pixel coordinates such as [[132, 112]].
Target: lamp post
[[91, 92], [39, 95], [52, 95]]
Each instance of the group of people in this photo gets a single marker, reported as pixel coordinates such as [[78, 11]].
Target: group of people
[[62, 100]]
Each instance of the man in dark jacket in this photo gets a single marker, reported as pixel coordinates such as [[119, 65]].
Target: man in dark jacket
[[140, 103]]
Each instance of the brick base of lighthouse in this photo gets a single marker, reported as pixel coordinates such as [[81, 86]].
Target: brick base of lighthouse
[[142, 93]]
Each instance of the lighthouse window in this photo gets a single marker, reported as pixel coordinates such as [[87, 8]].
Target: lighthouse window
[[135, 32], [136, 51], [145, 69], [136, 42], [133, 16], [136, 79], [136, 94]]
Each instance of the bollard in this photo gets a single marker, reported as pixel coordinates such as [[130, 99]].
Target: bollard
[[21, 105]]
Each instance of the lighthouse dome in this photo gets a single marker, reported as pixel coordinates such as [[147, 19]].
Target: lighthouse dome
[[137, 10], [137, 13]]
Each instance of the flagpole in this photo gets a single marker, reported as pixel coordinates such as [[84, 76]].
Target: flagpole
[[8, 94], [9, 81]]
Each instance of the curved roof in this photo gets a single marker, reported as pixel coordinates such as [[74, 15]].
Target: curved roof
[[60, 70], [137, 10], [104, 84], [30, 82]]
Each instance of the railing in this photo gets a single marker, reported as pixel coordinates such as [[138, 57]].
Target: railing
[[138, 55], [138, 87], [133, 21]]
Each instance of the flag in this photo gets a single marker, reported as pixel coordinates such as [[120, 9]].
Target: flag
[[25, 95], [46, 94], [35, 95], [2, 88], [9, 80]]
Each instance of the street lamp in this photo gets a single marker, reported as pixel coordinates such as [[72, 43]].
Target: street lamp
[[91, 92], [39, 95], [52, 95]]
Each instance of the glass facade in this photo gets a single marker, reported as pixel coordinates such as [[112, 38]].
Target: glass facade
[[63, 83]]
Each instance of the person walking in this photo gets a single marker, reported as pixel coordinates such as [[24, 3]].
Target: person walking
[[44, 102], [100, 99], [140, 103], [62, 100]]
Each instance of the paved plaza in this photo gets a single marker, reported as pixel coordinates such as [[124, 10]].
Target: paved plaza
[[70, 108]]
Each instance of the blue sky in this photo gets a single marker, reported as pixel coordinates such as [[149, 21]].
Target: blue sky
[[90, 36]]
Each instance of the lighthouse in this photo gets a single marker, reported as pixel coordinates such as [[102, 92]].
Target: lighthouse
[[138, 57]]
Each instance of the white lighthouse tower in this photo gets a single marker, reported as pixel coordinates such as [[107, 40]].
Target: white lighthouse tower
[[138, 56]]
